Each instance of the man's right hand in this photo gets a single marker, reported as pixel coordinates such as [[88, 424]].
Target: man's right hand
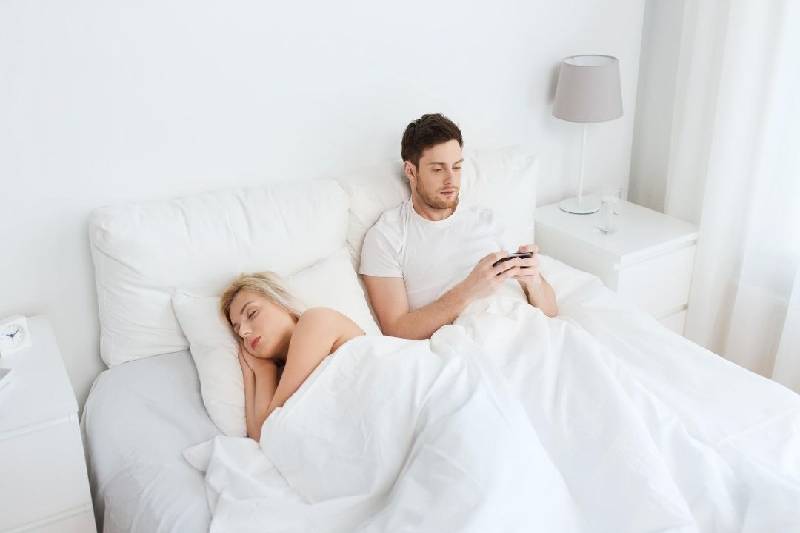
[[485, 278]]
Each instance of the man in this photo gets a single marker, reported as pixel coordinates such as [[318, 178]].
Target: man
[[424, 261]]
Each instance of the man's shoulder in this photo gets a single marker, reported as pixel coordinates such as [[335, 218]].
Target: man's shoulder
[[393, 215], [383, 244]]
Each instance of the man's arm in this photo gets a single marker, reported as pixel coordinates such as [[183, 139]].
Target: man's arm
[[542, 296], [390, 301], [539, 293]]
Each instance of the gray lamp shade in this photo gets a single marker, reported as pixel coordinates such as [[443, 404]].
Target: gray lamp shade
[[588, 89]]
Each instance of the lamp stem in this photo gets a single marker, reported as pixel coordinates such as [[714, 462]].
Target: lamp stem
[[580, 178]]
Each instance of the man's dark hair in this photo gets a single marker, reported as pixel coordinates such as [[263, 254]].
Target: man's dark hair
[[428, 130]]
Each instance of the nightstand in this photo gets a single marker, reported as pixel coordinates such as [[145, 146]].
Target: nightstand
[[44, 486], [647, 260]]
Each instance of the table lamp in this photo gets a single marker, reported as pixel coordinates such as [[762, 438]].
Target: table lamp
[[588, 90]]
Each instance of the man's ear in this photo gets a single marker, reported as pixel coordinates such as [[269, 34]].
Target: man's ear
[[410, 171]]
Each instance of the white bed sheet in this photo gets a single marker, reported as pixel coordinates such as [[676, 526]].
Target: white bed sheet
[[137, 419]]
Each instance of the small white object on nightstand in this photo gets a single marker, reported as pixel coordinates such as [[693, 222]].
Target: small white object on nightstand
[[44, 484], [648, 259], [14, 335]]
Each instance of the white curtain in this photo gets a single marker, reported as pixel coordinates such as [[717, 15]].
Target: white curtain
[[734, 168]]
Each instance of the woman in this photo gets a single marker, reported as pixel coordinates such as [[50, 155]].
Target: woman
[[279, 345]]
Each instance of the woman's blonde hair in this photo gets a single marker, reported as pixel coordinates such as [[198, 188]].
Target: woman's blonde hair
[[266, 284]]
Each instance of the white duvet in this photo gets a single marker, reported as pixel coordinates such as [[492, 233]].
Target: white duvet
[[600, 420], [390, 435]]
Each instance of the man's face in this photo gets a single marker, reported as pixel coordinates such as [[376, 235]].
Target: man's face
[[437, 179]]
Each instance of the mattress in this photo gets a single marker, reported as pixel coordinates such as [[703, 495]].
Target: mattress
[[137, 419]]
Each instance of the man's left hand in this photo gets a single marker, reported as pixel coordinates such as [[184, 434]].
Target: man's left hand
[[529, 278]]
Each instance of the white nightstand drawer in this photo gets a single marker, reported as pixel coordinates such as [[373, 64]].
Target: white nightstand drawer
[[661, 285], [43, 474]]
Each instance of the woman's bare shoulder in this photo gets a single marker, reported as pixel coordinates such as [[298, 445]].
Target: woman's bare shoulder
[[327, 319]]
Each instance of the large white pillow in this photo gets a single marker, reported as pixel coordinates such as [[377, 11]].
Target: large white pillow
[[333, 283], [503, 179], [141, 251], [213, 348]]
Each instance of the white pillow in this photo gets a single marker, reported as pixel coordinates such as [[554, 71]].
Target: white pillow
[[214, 351], [331, 282], [142, 250], [505, 180], [371, 190]]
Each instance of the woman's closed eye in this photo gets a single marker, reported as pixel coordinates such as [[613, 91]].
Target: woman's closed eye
[[250, 316]]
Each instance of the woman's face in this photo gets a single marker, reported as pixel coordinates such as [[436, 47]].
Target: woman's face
[[264, 327]]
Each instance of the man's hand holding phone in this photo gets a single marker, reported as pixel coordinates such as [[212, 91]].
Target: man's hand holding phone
[[515, 255], [529, 276], [495, 268], [487, 275]]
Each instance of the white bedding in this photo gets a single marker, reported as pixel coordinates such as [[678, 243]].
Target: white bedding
[[137, 419], [648, 431], [390, 435], [651, 432], [731, 438], [720, 444]]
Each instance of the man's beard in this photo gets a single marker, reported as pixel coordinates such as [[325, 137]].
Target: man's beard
[[434, 201]]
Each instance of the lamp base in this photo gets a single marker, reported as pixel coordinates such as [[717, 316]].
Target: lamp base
[[586, 206]]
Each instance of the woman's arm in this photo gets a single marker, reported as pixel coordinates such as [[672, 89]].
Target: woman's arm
[[260, 381], [318, 332], [266, 383], [249, 378]]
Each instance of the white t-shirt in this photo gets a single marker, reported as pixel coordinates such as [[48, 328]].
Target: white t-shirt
[[433, 256]]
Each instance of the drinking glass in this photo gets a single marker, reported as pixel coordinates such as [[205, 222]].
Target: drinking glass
[[607, 222]]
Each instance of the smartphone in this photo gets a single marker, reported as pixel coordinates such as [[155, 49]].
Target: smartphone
[[523, 255]]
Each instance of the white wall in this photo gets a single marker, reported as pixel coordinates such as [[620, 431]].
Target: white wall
[[110, 101], [662, 34]]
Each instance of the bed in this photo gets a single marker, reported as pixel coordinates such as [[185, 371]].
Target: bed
[[728, 442], [141, 415]]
